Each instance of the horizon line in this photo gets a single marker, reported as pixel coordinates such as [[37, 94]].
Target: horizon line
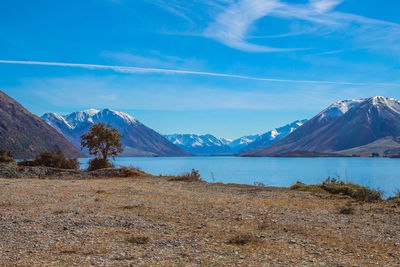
[[130, 69]]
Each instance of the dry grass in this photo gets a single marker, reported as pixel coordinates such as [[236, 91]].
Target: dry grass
[[138, 240], [193, 176], [337, 187], [242, 239], [153, 221]]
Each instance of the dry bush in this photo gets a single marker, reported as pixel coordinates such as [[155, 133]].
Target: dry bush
[[59, 211], [347, 210], [97, 164], [138, 240], [6, 157], [397, 194], [242, 239], [259, 184], [193, 176], [131, 172], [337, 187], [395, 200], [100, 191], [299, 186], [53, 160]]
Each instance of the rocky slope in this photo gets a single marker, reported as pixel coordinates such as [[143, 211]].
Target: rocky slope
[[25, 134]]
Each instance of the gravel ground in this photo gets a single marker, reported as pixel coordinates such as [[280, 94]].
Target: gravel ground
[[154, 221]]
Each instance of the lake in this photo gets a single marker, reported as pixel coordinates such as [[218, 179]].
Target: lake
[[377, 173]]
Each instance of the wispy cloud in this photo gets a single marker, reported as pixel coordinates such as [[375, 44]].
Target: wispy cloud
[[232, 25], [233, 19], [323, 6], [124, 69]]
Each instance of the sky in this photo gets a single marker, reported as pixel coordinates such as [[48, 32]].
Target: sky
[[224, 67]]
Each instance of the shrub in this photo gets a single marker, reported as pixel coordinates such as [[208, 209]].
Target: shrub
[[193, 176], [347, 210], [358, 192], [338, 187], [6, 157], [299, 186], [241, 239], [99, 163], [138, 240], [367, 195], [259, 184], [131, 172], [397, 193], [395, 200], [51, 159]]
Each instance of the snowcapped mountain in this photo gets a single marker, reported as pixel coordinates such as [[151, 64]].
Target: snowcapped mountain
[[242, 142], [200, 144], [269, 138], [209, 144], [337, 109], [138, 139], [346, 126]]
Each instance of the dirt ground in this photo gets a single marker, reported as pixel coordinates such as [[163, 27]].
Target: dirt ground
[[153, 221]]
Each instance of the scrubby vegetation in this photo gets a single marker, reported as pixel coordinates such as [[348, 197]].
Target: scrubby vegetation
[[193, 176], [338, 187], [6, 157], [242, 239], [347, 209], [99, 163], [52, 159], [131, 172], [140, 240]]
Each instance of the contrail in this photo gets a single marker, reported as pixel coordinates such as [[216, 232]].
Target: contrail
[[189, 72]]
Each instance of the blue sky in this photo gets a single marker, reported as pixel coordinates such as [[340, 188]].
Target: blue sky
[[224, 67]]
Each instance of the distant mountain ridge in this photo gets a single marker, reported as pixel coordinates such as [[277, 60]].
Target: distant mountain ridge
[[138, 140], [208, 144], [344, 126], [271, 137], [26, 135], [200, 144]]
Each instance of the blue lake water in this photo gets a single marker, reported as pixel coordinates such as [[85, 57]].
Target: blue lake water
[[377, 173]]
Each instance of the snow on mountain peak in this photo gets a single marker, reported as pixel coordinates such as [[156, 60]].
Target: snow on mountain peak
[[91, 111], [76, 119], [383, 102], [339, 108], [56, 121], [109, 114]]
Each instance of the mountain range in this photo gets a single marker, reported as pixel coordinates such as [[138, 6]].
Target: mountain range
[[25, 135], [271, 137], [138, 139], [348, 127], [208, 144], [360, 127]]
